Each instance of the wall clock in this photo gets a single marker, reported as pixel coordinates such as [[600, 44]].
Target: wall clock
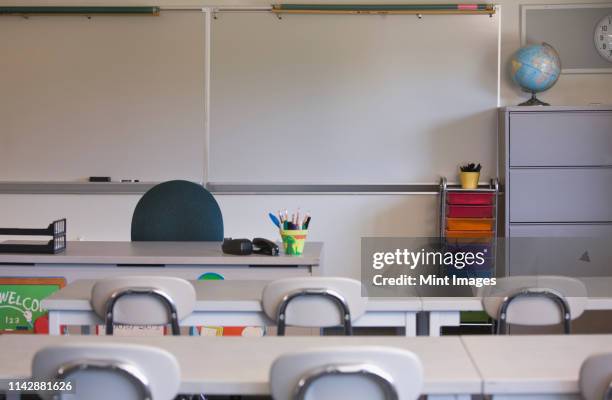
[[603, 37]]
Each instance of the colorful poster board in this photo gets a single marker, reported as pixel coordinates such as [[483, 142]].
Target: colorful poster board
[[20, 301], [133, 330], [252, 331]]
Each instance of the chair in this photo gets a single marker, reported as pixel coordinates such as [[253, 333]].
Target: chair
[[314, 302], [356, 373], [101, 371], [177, 211], [143, 300], [596, 377], [535, 301]]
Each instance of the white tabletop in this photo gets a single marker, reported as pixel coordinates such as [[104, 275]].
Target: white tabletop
[[226, 365], [599, 292], [533, 364], [221, 295], [237, 295], [168, 253], [599, 297]]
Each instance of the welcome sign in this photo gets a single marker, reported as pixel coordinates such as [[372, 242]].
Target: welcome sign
[[20, 301]]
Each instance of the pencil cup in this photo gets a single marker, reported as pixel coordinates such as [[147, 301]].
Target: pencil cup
[[293, 241]]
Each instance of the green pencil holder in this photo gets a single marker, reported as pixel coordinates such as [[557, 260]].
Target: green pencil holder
[[294, 241]]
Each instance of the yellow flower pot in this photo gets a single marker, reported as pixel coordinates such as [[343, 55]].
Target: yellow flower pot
[[469, 180]]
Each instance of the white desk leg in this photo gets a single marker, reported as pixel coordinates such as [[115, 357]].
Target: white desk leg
[[410, 326], [449, 397], [438, 319], [54, 323]]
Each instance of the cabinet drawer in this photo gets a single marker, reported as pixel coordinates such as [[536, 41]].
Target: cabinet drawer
[[560, 249], [561, 195], [561, 230], [561, 139]]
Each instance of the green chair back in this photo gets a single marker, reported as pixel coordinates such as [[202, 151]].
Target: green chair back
[[177, 211]]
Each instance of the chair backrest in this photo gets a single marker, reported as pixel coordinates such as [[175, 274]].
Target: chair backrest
[[535, 301], [143, 300], [177, 211], [356, 373], [596, 377], [101, 371], [314, 302]]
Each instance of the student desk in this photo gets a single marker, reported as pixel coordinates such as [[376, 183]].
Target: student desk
[[445, 311], [542, 367], [231, 303], [227, 366], [189, 260], [224, 303]]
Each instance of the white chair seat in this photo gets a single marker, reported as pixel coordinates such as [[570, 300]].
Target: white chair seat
[[596, 377], [356, 373], [318, 301], [142, 300], [535, 308], [114, 371]]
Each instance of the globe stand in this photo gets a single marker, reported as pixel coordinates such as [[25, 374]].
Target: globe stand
[[534, 101]]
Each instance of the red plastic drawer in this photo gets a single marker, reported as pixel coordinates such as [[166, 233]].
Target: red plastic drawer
[[470, 198], [454, 211]]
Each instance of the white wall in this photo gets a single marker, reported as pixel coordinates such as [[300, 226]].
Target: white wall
[[339, 220]]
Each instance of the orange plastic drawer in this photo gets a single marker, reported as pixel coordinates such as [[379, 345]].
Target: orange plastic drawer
[[457, 241], [469, 224], [469, 234]]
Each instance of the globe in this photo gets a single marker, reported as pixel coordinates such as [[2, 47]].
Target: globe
[[535, 68]]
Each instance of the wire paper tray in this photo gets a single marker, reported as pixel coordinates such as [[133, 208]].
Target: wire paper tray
[[56, 229]]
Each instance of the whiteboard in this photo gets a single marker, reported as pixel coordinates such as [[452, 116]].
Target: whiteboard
[[345, 99], [118, 96]]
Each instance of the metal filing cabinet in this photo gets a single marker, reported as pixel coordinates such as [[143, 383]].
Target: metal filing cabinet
[[555, 165]]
